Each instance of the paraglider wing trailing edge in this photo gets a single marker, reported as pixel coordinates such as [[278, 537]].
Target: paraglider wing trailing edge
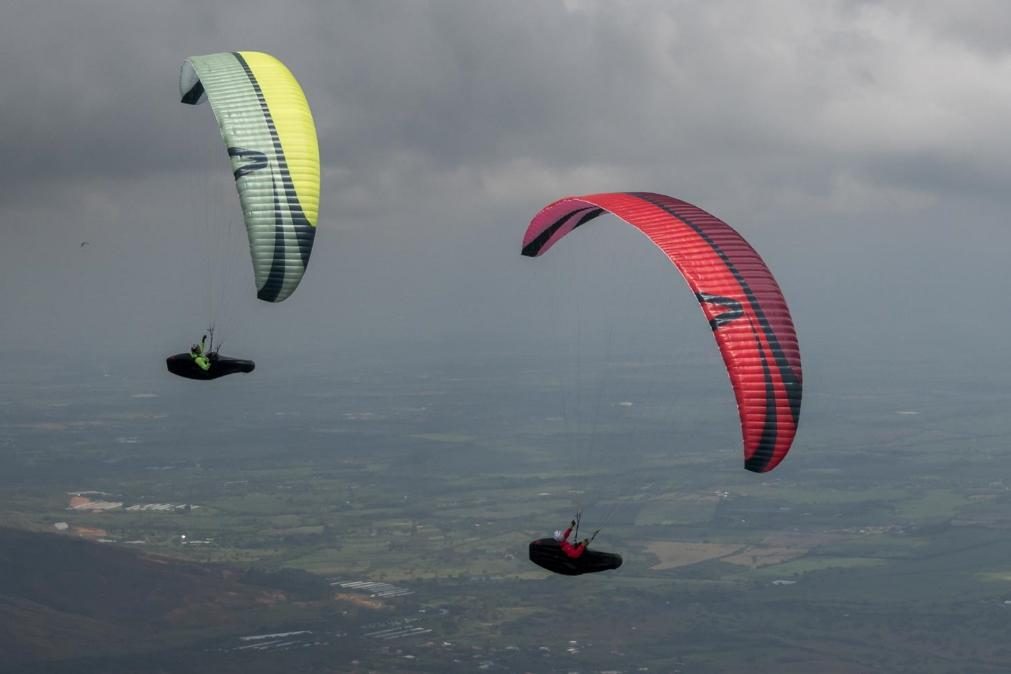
[[738, 295]]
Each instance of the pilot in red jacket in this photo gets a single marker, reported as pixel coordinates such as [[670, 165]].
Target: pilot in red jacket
[[570, 550]]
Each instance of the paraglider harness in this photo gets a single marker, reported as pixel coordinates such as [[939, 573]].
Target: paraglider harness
[[189, 366], [548, 554]]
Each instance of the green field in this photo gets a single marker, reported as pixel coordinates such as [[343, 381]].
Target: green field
[[882, 552]]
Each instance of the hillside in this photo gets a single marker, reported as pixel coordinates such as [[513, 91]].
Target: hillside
[[62, 597]]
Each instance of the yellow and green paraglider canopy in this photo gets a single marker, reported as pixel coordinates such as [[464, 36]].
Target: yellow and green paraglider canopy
[[269, 132]]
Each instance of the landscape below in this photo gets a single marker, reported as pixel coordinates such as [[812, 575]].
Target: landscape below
[[379, 521]]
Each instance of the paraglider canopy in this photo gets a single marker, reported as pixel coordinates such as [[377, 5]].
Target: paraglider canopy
[[738, 295], [547, 553], [270, 136]]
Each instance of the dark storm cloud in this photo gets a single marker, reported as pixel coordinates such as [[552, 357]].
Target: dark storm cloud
[[445, 125], [509, 87]]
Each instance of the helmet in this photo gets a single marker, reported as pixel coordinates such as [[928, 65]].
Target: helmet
[[557, 535], [195, 348]]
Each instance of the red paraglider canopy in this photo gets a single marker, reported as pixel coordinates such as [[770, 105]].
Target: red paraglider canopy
[[738, 295]]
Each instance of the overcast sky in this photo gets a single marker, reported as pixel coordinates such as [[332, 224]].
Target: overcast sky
[[860, 146]]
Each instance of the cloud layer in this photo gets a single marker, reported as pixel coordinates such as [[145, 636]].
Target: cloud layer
[[824, 131]]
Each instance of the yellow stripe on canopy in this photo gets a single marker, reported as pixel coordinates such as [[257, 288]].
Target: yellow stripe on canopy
[[294, 124]]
